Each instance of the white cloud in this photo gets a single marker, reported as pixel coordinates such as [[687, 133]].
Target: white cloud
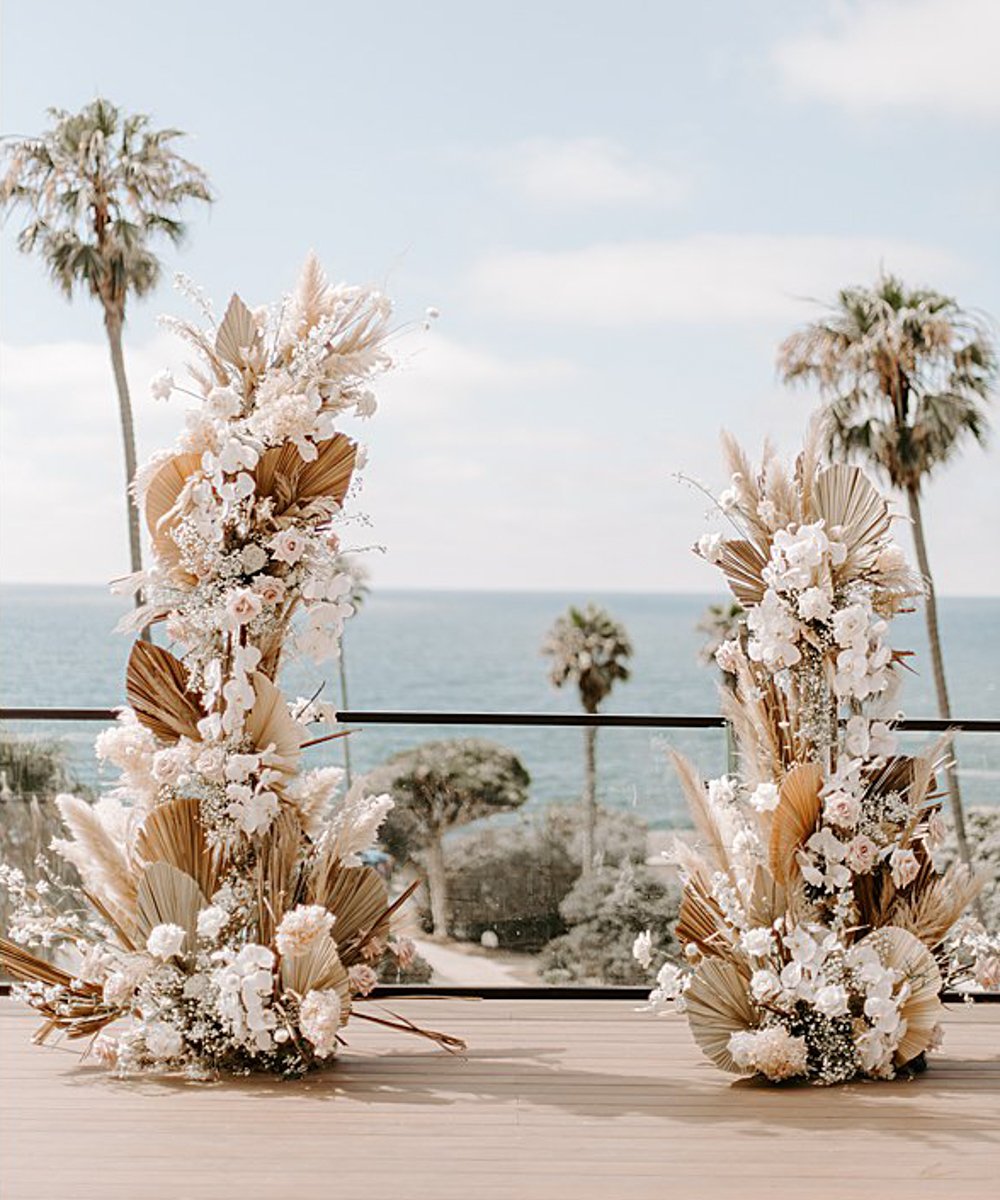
[[583, 173], [938, 56], [702, 278]]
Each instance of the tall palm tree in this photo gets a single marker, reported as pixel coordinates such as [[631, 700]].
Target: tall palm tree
[[98, 187], [588, 648], [906, 376]]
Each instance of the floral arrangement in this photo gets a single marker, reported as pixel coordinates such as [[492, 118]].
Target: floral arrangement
[[818, 934], [224, 909]]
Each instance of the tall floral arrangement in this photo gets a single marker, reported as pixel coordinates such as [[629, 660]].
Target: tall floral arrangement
[[224, 908], [818, 935]]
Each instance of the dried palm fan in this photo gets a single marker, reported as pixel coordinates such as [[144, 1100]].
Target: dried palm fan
[[768, 899], [238, 334], [271, 727], [284, 476], [164, 509], [930, 912], [922, 1009], [166, 896], [173, 832], [359, 899], [794, 820], [276, 872], [318, 969], [717, 1006], [743, 564], [846, 500], [156, 684], [700, 922], [80, 1011]]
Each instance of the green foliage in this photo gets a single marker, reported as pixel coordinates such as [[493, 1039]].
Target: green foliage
[[97, 188], [440, 785], [418, 971], [512, 879], [905, 374], [30, 767], [589, 648], [604, 913]]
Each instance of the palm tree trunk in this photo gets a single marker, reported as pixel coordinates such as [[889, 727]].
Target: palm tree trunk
[[589, 799], [937, 663], [113, 324], [344, 707], [437, 885]]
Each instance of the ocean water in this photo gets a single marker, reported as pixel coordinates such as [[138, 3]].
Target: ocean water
[[479, 651]]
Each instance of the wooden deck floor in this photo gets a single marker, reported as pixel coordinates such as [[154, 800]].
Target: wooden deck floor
[[555, 1100]]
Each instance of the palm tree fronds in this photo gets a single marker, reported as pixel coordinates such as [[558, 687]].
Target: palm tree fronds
[[717, 1006], [173, 833], [167, 896]]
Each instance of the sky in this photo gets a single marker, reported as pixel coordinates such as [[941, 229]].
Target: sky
[[619, 211]]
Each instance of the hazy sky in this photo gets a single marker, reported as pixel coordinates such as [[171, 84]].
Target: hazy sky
[[619, 210]]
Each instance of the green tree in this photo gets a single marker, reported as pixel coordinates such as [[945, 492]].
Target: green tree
[[439, 786], [588, 648], [98, 188], [905, 376]]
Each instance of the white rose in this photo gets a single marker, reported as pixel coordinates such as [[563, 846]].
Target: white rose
[[288, 546], [831, 1000], [861, 854], [242, 606], [211, 922], [905, 867], [814, 605], [165, 941], [758, 943]]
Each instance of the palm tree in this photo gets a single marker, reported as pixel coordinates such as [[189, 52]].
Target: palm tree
[[97, 188], [356, 598], [588, 648], [906, 376]]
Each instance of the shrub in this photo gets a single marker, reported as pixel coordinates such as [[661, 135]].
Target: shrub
[[982, 826], [604, 914], [512, 879]]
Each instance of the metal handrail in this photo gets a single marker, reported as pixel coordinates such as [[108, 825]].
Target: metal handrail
[[599, 720]]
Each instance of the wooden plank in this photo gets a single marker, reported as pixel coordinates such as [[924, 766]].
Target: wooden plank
[[582, 1099]]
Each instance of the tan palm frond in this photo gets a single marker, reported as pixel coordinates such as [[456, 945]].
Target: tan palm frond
[[79, 1011], [930, 911], [167, 896], [277, 872], [922, 1009], [319, 969], [157, 689], [846, 499], [358, 899], [701, 922], [718, 1006], [271, 728], [767, 898], [173, 832], [284, 476], [795, 818], [237, 333], [163, 510], [743, 564]]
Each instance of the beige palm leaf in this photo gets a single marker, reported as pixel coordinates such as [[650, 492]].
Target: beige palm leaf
[[173, 833], [846, 500], [794, 820], [717, 1006], [922, 1009], [318, 969], [156, 684], [271, 727], [358, 898], [167, 896], [164, 511]]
